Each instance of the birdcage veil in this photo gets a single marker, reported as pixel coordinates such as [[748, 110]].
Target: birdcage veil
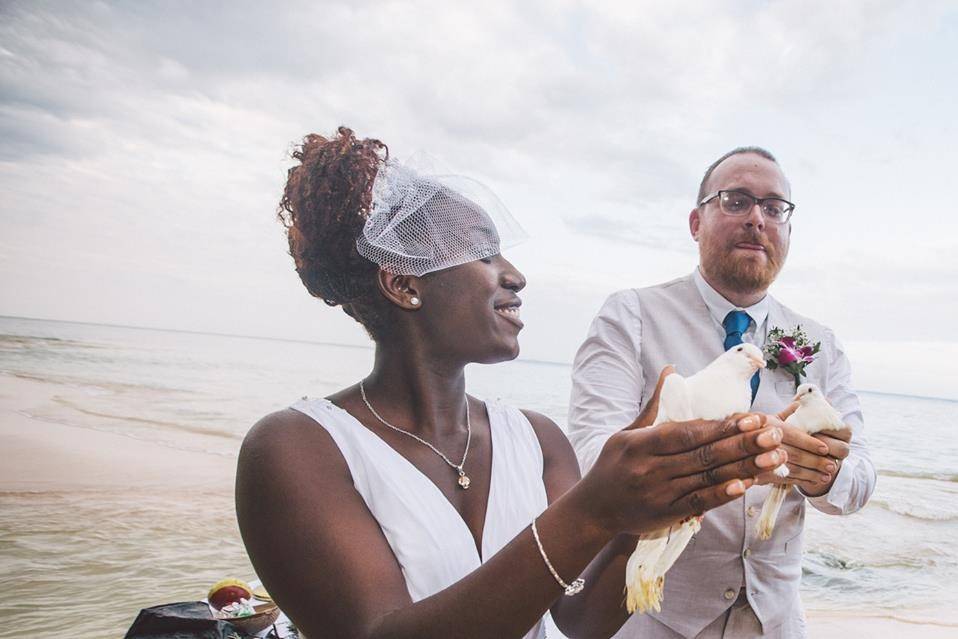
[[422, 220]]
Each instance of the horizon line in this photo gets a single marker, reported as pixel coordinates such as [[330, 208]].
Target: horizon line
[[367, 347], [239, 335]]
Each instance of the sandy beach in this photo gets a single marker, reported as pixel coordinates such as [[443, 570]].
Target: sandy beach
[[42, 455], [46, 458], [98, 525]]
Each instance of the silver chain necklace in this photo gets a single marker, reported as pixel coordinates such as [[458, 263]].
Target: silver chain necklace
[[463, 477]]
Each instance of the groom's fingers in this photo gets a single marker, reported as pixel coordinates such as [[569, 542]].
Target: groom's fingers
[[798, 438], [818, 463], [837, 442], [672, 438], [844, 434], [799, 474], [651, 408]]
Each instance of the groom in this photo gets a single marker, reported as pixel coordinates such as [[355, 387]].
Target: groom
[[728, 582]]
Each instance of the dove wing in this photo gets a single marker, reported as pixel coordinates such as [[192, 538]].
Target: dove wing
[[815, 416], [675, 401], [830, 419]]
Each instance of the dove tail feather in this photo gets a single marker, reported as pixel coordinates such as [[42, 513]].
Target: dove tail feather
[[773, 503], [645, 571], [678, 540], [643, 586]]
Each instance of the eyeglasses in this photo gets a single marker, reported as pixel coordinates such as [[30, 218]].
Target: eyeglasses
[[740, 203]]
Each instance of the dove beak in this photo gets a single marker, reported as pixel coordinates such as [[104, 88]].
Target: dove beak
[[758, 361]]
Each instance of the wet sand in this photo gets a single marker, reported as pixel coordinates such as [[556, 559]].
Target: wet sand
[[878, 625], [43, 455]]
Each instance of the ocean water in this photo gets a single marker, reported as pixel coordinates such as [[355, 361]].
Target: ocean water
[[90, 559]]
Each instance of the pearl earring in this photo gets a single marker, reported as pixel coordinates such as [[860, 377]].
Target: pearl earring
[[414, 301]]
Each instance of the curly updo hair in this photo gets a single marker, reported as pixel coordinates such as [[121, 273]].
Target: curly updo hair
[[324, 208]]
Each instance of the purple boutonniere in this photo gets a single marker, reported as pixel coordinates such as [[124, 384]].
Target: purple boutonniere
[[790, 351]]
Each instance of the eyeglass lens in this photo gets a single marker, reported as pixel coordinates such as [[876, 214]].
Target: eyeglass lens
[[738, 203]]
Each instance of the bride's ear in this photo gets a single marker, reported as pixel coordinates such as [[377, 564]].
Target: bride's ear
[[401, 290]]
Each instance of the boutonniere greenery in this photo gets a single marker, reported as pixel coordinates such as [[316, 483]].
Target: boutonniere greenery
[[790, 351]]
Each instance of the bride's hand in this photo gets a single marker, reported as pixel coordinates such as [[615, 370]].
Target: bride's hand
[[649, 478]]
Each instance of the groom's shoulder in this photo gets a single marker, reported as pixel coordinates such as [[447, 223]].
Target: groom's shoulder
[[629, 302], [664, 290], [644, 294], [679, 283], [632, 296]]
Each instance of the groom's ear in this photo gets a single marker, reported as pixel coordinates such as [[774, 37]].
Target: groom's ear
[[695, 221]]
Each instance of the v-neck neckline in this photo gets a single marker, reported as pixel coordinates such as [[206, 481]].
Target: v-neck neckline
[[478, 547]]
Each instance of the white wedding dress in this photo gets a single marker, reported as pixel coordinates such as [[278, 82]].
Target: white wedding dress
[[431, 541]]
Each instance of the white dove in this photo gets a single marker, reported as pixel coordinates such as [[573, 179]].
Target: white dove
[[720, 389], [813, 414]]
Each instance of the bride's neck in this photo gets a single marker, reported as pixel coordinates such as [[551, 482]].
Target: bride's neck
[[419, 392]]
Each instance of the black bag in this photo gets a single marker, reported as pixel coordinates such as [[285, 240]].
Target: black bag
[[185, 620]]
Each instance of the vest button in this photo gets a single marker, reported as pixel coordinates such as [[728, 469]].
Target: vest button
[[730, 594], [750, 511], [746, 553]]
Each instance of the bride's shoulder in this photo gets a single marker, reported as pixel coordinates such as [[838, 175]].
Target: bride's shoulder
[[541, 424], [552, 440], [287, 421], [289, 439], [560, 469]]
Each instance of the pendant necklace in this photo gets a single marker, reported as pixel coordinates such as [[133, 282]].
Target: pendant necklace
[[463, 477]]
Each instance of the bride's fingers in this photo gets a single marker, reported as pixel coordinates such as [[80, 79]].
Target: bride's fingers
[[744, 446], [698, 502], [767, 478], [791, 408], [746, 468], [671, 438]]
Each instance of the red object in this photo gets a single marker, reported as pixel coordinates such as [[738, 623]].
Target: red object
[[228, 591]]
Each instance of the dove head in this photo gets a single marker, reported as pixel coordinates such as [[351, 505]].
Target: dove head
[[807, 393], [745, 359]]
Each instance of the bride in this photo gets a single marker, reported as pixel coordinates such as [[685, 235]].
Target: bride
[[403, 507]]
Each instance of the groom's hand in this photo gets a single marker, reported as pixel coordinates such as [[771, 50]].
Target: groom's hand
[[813, 460], [838, 449]]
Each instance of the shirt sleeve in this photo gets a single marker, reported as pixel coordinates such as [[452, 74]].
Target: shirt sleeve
[[607, 380], [856, 478]]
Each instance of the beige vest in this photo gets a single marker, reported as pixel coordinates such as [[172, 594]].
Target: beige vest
[[726, 555]]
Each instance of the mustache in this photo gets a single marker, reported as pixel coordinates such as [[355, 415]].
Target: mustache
[[754, 238]]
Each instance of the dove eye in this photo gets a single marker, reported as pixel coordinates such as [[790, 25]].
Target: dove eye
[[739, 349]]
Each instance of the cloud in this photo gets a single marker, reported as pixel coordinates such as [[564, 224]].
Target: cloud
[[659, 228], [145, 144]]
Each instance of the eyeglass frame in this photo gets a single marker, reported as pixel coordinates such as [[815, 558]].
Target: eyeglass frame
[[755, 200]]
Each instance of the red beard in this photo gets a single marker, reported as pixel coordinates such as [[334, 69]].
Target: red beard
[[738, 272]]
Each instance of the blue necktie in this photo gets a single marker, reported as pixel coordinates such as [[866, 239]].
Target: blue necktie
[[736, 323]]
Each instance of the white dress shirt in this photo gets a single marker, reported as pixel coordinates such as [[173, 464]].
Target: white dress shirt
[[606, 373]]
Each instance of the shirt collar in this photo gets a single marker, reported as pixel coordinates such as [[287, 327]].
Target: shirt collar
[[719, 307]]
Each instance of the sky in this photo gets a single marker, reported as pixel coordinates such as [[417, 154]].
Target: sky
[[144, 145]]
